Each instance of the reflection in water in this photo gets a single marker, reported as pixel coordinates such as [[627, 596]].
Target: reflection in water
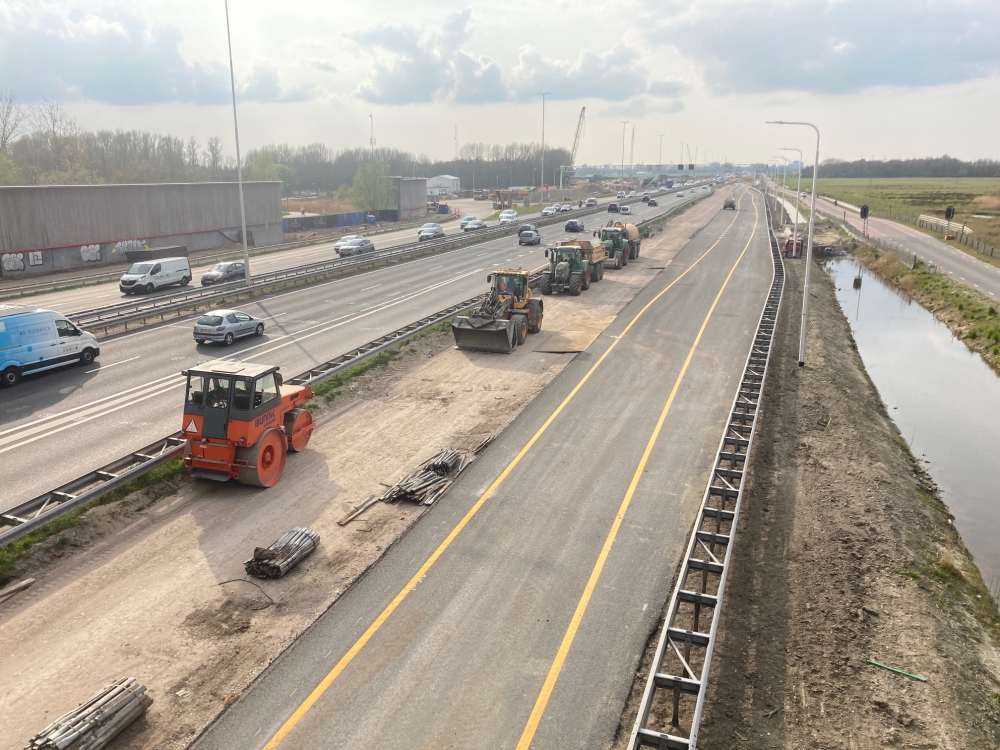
[[943, 397]]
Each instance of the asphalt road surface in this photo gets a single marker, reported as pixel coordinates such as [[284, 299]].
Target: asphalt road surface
[[515, 614], [59, 425], [966, 268]]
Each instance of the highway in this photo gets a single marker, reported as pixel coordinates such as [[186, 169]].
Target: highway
[[85, 298], [515, 614], [132, 396], [966, 268]]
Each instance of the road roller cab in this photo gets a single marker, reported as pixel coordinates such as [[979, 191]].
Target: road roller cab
[[240, 422]]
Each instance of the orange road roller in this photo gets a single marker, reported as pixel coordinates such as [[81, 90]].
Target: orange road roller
[[240, 422]]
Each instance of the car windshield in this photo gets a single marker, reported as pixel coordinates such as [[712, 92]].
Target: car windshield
[[354, 243], [429, 226], [218, 268], [140, 268], [210, 320]]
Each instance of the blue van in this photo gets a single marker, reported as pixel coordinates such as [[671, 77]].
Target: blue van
[[33, 339]]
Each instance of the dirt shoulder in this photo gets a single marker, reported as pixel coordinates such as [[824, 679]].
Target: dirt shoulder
[[154, 587], [845, 553]]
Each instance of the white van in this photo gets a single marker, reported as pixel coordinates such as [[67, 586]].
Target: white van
[[33, 339], [149, 275]]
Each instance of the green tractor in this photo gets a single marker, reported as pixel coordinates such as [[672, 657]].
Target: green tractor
[[573, 265], [621, 242]]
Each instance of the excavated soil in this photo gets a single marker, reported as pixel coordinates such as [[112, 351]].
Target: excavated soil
[[154, 587], [844, 553]]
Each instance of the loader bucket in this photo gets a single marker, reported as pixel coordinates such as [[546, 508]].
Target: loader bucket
[[484, 335]]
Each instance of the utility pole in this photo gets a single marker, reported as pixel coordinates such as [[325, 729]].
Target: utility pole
[[624, 123], [239, 164], [541, 198]]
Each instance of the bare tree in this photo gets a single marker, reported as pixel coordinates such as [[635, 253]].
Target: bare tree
[[11, 117], [213, 156], [191, 152], [52, 120]]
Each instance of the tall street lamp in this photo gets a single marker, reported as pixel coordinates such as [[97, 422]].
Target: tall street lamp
[[541, 199], [783, 178], [809, 247], [624, 123], [798, 192], [239, 163]]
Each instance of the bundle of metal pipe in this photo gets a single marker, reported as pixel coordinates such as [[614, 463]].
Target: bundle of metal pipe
[[282, 555], [93, 724], [425, 486]]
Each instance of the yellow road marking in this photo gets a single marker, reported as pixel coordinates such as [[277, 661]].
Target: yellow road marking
[[347, 658], [550, 681]]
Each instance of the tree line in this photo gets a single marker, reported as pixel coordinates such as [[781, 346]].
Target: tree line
[[940, 166], [43, 145]]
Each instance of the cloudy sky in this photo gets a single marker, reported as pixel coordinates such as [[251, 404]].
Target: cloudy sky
[[881, 78]]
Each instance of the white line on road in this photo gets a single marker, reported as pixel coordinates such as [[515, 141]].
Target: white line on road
[[113, 364], [371, 287]]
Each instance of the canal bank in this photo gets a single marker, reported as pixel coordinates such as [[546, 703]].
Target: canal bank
[[846, 555]]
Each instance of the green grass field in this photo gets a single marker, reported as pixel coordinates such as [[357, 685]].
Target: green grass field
[[913, 196]]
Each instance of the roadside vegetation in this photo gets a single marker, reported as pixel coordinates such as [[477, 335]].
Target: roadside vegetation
[[972, 197]]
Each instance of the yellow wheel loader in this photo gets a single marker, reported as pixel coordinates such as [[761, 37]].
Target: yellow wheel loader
[[504, 318]]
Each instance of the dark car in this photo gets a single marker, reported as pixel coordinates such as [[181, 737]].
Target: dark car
[[356, 247], [573, 225], [529, 237], [474, 225], [432, 233], [526, 228], [613, 208], [220, 273], [652, 202]]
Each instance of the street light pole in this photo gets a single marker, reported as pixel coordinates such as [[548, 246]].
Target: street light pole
[[660, 162], [809, 246], [239, 165], [798, 192], [541, 197], [624, 123]]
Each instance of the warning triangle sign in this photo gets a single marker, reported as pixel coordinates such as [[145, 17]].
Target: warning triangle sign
[[191, 427]]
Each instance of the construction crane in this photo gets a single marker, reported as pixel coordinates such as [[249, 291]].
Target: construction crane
[[576, 139]]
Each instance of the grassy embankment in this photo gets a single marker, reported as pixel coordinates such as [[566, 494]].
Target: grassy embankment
[[972, 197]]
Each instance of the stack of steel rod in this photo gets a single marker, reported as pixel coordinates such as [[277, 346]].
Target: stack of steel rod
[[431, 481], [282, 555], [92, 725]]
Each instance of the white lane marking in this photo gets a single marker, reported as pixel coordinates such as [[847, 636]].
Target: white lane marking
[[371, 287], [435, 268], [36, 430], [113, 364]]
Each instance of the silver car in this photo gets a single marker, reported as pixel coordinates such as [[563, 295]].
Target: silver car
[[344, 240], [225, 326]]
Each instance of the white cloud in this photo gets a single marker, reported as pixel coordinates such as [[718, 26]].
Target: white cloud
[[614, 75]]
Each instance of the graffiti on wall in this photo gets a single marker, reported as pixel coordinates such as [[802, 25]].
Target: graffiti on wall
[[123, 246], [13, 262], [90, 253]]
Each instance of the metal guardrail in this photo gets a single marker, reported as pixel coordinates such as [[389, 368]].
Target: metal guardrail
[[678, 675], [127, 312], [54, 504]]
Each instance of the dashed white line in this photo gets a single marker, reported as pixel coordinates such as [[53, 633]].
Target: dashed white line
[[114, 364], [371, 287]]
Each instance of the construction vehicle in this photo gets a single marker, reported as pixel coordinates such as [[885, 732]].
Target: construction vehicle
[[504, 318], [729, 203], [240, 422], [573, 264], [621, 242]]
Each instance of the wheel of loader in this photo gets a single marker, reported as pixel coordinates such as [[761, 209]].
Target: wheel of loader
[[575, 283], [538, 323], [265, 459], [586, 279], [520, 328], [545, 285], [298, 428]]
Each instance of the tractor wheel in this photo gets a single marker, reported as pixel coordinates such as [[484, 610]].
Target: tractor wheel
[[520, 328], [600, 272], [586, 279], [265, 460], [298, 429], [618, 259], [545, 285], [625, 254], [575, 283]]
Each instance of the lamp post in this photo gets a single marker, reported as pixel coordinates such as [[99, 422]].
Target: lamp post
[[541, 197], [809, 246], [783, 175], [798, 191], [624, 123], [239, 165]]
